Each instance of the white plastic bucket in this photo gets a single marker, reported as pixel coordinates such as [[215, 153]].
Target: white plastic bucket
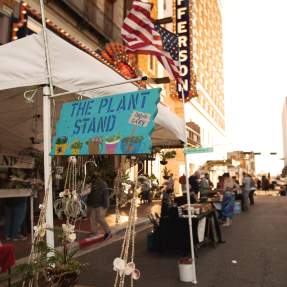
[[185, 272], [237, 207]]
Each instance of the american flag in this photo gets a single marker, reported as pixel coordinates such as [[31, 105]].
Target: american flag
[[143, 37]]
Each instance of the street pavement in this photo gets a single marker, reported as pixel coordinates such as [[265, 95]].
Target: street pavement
[[256, 243]]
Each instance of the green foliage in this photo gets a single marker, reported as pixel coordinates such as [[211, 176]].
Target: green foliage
[[76, 145], [135, 139], [114, 138], [152, 177], [166, 172], [62, 140], [167, 155], [52, 265], [156, 149], [96, 140]]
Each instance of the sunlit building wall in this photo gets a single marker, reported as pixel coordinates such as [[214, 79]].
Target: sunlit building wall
[[207, 110]]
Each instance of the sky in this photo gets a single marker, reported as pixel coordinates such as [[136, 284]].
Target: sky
[[255, 63]]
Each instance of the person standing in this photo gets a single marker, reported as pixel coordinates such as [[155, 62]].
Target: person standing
[[220, 183], [252, 191], [167, 196], [194, 183], [170, 184], [265, 184], [246, 187], [98, 204], [204, 186], [182, 181], [15, 214], [228, 201]]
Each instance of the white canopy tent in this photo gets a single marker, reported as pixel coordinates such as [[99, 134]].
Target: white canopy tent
[[23, 68]]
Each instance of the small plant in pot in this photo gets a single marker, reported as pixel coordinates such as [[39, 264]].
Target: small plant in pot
[[94, 145], [166, 173], [76, 147], [52, 268], [61, 145], [131, 144], [111, 143], [165, 155]]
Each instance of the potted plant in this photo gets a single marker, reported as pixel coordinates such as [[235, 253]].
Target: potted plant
[[131, 144], [111, 143], [61, 145], [76, 147], [165, 155], [94, 145], [185, 269], [166, 173], [52, 267]]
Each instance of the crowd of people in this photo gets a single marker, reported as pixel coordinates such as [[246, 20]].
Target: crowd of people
[[228, 189]]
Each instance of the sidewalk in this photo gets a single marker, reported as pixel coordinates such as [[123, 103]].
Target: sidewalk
[[144, 210], [23, 248]]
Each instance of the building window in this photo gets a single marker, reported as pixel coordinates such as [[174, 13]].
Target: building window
[[109, 16], [164, 4], [5, 24]]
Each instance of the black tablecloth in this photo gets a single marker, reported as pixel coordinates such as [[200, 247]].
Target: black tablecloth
[[173, 233]]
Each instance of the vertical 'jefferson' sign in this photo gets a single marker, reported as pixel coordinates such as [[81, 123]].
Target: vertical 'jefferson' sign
[[182, 30]]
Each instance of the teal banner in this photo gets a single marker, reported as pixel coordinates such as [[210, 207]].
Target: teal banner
[[117, 124]]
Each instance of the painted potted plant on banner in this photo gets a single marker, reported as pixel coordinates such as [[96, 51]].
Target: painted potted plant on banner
[[61, 145], [76, 147], [94, 145], [185, 269], [131, 144], [111, 143]]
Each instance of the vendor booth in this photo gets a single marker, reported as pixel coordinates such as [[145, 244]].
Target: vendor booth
[[38, 74], [23, 73]]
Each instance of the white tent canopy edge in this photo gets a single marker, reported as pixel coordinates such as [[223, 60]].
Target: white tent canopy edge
[[23, 67]]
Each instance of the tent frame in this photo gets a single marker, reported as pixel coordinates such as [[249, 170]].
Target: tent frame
[[48, 94], [48, 90]]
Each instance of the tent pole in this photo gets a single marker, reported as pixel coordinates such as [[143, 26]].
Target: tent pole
[[188, 193], [48, 91], [48, 164], [186, 163]]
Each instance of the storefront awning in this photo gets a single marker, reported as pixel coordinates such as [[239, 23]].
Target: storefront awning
[[23, 68]]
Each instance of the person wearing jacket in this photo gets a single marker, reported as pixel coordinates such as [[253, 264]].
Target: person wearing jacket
[[98, 204], [246, 188]]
